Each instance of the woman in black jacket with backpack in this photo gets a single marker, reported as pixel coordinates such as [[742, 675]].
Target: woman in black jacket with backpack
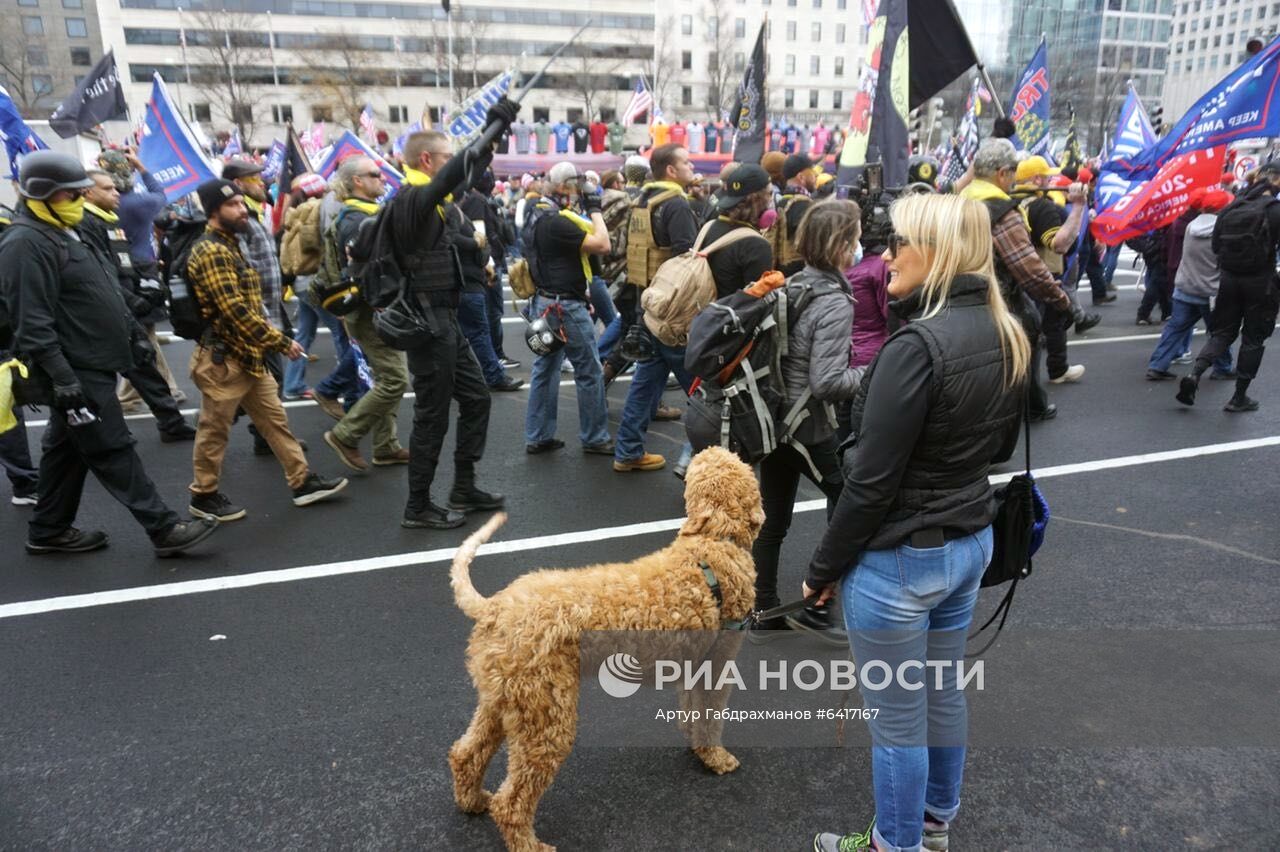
[[911, 533]]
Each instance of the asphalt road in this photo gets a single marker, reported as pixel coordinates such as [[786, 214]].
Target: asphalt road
[[297, 683]]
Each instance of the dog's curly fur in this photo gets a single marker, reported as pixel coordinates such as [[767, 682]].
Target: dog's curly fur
[[523, 653]]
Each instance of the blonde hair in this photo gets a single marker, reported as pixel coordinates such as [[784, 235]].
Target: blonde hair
[[954, 236], [827, 233]]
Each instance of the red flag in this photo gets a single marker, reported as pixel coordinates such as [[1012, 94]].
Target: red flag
[[1150, 205]]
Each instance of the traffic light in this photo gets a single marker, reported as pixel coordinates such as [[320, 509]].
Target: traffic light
[[1157, 118]]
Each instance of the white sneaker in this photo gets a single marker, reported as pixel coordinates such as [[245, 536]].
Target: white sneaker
[[1072, 374], [23, 501]]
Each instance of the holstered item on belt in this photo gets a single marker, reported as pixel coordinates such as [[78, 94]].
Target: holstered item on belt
[[925, 539]]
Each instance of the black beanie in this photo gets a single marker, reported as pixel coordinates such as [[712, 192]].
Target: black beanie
[[216, 192]]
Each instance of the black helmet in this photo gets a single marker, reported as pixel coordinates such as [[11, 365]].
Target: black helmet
[[401, 326], [545, 334], [922, 169], [636, 344], [42, 173]]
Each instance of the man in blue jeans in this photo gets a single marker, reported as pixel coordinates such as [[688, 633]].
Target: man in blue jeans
[[673, 228], [558, 260]]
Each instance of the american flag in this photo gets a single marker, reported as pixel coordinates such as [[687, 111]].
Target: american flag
[[368, 127], [869, 9], [965, 145], [641, 100]]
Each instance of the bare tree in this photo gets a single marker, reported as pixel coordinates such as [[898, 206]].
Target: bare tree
[[427, 48], [226, 45], [720, 77], [340, 68], [662, 70], [19, 72], [593, 73]]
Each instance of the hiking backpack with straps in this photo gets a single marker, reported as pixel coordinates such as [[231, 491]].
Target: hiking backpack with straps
[[644, 255], [683, 286], [523, 275], [1242, 238], [735, 351], [332, 288], [302, 245]]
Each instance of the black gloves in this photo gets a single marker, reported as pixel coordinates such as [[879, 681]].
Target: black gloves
[[69, 397], [591, 203], [504, 111], [143, 351]]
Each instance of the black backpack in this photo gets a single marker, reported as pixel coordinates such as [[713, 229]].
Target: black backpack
[[185, 314], [371, 263], [1242, 238], [735, 351]]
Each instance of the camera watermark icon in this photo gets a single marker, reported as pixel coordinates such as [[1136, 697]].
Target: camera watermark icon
[[620, 675]]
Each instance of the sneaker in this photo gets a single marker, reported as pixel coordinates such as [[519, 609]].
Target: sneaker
[[300, 395], [816, 621], [433, 517], [215, 507], [182, 536], [70, 540], [1240, 403], [565, 366], [24, 499], [680, 470], [828, 842], [1187, 390], [1072, 374], [648, 461], [1144, 321], [508, 363], [472, 499], [508, 384], [543, 446], [1226, 376], [400, 456], [329, 405], [316, 488], [350, 456], [1105, 300], [936, 834], [603, 449], [668, 412], [1184, 358], [1159, 375], [185, 432], [1086, 322], [768, 630], [1050, 411]]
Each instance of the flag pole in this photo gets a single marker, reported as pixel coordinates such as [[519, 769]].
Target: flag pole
[[271, 45]]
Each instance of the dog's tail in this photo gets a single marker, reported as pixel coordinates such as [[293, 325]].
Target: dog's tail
[[469, 600]]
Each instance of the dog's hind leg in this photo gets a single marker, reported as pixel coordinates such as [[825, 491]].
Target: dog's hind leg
[[539, 737], [470, 756]]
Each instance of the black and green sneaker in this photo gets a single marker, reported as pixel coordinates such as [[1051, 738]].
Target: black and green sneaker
[[828, 842]]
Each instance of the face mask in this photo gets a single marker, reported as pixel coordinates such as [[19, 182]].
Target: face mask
[[857, 253], [60, 214], [767, 218]]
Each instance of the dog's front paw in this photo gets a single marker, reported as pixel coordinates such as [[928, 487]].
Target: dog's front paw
[[717, 759], [474, 804]]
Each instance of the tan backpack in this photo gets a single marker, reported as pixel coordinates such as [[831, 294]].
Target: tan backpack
[[644, 256], [683, 286], [781, 240], [302, 245]]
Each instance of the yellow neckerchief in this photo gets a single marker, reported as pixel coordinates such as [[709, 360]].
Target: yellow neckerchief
[[255, 207], [44, 214], [663, 185], [1030, 190], [983, 190], [370, 207], [586, 227], [413, 177], [105, 215], [737, 222]]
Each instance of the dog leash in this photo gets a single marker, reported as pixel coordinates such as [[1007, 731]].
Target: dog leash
[[755, 616]]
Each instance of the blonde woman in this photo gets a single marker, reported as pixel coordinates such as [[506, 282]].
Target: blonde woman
[[911, 532]]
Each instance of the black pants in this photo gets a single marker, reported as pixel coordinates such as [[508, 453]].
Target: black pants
[[104, 447], [1054, 325], [444, 370], [15, 458], [780, 474], [1245, 307], [154, 390], [1159, 290]]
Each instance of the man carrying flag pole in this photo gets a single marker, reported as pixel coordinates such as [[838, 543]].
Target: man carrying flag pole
[[749, 107]]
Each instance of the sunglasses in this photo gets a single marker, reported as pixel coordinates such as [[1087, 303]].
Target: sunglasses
[[896, 243], [378, 175]]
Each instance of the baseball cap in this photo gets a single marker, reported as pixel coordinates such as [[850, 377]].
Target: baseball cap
[[310, 185], [240, 168], [795, 164], [560, 173], [745, 180], [216, 192], [1034, 167]]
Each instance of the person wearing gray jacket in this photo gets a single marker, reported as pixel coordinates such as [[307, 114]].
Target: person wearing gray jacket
[[816, 374], [1195, 284]]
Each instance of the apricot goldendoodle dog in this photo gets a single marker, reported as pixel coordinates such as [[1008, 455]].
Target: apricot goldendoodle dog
[[523, 653]]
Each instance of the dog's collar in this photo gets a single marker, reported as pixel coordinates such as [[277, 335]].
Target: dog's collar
[[714, 585]]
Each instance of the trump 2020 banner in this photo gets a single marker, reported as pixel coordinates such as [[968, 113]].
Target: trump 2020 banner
[[468, 121], [169, 148], [1029, 109]]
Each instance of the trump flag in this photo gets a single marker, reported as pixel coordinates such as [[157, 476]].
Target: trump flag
[[169, 148]]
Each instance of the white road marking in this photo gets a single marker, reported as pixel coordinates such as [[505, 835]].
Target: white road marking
[[445, 554]]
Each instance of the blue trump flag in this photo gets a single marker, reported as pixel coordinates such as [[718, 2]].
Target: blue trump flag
[[1029, 109], [169, 148], [349, 144], [1133, 136], [18, 138], [1244, 105], [468, 121], [275, 157]]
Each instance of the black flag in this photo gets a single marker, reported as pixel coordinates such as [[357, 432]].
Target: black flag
[[878, 119], [940, 47], [748, 108], [98, 98], [295, 163]]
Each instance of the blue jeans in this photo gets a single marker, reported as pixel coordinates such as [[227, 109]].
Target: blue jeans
[[343, 383], [910, 604], [644, 395], [473, 317], [309, 317], [544, 381], [1175, 338]]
